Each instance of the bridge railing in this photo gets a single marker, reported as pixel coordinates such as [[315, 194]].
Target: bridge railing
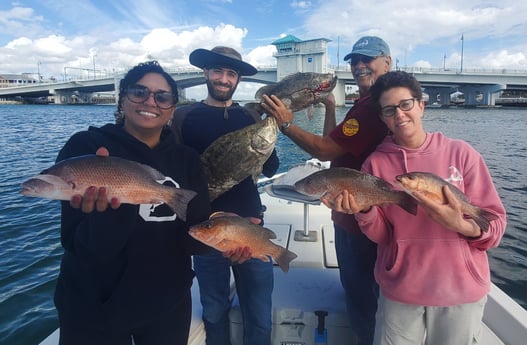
[[486, 71]]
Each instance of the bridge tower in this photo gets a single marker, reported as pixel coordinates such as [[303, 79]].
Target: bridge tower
[[294, 55]]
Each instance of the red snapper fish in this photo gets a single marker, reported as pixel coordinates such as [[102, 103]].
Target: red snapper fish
[[368, 190], [432, 187], [131, 182], [227, 233]]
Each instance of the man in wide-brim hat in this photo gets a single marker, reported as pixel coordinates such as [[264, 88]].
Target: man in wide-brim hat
[[223, 69], [199, 124]]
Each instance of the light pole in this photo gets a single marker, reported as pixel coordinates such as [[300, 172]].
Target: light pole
[[93, 58], [93, 52], [462, 40], [444, 62], [38, 71]]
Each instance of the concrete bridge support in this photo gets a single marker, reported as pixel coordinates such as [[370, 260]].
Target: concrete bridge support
[[482, 95], [73, 97], [340, 93], [440, 94]]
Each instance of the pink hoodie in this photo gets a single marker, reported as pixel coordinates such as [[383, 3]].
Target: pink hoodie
[[418, 261]]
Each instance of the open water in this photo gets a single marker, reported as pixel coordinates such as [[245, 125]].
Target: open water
[[32, 135]]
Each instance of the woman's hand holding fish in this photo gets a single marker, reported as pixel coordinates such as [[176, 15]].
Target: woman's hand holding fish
[[342, 202], [93, 198], [275, 107], [449, 215]]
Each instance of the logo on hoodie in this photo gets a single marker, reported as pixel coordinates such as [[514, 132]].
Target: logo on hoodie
[[350, 127]]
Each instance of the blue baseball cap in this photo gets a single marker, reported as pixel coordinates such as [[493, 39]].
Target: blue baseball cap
[[370, 46]]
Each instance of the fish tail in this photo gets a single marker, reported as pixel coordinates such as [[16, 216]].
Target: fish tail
[[483, 219], [179, 200], [285, 257], [408, 203]]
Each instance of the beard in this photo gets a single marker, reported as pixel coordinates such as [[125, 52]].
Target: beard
[[221, 96]]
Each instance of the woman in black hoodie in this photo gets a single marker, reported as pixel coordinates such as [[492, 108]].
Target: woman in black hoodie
[[126, 271]]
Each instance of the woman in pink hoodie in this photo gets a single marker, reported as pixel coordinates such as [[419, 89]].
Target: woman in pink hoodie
[[432, 268]]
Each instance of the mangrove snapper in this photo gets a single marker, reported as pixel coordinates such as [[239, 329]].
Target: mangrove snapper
[[227, 233], [431, 186], [129, 181], [368, 190]]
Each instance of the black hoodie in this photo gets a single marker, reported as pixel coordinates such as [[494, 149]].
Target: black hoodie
[[118, 269]]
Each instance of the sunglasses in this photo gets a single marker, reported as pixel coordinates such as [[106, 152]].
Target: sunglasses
[[404, 105], [139, 94], [355, 59]]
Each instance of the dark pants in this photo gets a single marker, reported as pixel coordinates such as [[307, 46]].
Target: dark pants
[[170, 329], [254, 286], [356, 256]]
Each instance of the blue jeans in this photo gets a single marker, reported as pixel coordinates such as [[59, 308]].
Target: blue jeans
[[254, 285], [356, 256]]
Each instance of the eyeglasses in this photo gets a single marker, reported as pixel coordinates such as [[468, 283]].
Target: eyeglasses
[[356, 58], [139, 94], [404, 105]]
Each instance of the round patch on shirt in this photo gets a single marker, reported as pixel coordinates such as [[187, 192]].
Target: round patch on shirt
[[350, 127]]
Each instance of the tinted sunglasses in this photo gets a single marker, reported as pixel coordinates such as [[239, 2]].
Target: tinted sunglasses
[[355, 59], [139, 94]]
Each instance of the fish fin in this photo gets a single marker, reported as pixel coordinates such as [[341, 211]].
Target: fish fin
[[179, 201], [408, 203], [483, 219], [285, 257], [270, 234]]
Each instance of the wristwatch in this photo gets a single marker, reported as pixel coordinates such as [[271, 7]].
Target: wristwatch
[[285, 125]]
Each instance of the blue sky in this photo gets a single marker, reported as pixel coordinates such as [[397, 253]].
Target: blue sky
[[49, 35]]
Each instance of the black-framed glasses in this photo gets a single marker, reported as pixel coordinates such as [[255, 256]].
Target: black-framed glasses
[[139, 94], [404, 105], [356, 58]]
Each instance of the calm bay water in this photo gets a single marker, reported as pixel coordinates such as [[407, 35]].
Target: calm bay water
[[31, 136]]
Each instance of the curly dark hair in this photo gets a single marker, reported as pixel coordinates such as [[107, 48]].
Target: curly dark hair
[[133, 76], [392, 80]]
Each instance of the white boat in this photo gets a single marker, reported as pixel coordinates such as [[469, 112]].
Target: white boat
[[312, 286]]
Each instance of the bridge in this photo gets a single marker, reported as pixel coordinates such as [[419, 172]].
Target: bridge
[[480, 87]]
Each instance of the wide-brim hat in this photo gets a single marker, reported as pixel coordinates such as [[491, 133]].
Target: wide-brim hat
[[221, 57], [372, 46]]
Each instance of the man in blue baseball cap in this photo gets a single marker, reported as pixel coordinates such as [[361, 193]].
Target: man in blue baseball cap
[[347, 145], [371, 46]]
